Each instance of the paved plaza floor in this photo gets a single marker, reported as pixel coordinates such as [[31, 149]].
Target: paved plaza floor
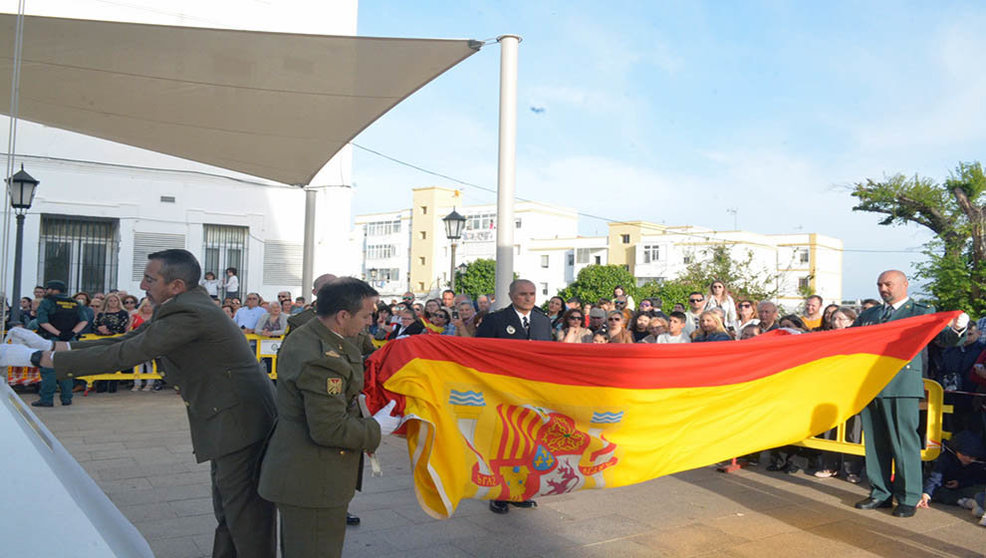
[[137, 448]]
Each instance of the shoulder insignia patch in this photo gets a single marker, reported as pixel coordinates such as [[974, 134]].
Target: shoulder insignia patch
[[332, 354], [333, 386]]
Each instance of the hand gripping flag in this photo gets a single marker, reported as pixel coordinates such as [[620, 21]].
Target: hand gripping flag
[[510, 420]]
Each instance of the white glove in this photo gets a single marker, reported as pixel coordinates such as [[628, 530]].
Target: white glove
[[24, 336], [17, 355], [962, 321], [387, 423]]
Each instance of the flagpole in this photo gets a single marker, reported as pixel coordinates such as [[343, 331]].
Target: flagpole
[[507, 168]]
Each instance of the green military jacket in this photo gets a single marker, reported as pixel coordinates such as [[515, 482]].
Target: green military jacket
[[229, 398], [909, 382], [314, 455], [363, 340]]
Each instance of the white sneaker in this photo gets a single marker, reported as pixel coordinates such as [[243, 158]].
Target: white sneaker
[[147, 387], [135, 388], [978, 512], [982, 522], [967, 503]]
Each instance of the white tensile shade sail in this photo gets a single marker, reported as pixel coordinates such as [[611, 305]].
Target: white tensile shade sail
[[271, 105]]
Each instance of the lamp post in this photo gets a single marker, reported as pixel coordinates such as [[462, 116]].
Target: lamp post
[[20, 188], [453, 231]]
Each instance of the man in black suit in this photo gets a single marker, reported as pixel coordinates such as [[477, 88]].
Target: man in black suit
[[520, 320]]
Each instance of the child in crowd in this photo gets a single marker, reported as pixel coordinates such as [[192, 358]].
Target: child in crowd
[[211, 284], [959, 472], [232, 283], [676, 330]]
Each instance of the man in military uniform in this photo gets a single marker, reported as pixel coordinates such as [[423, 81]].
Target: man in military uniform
[[312, 465], [890, 421], [60, 317], [228, 397]]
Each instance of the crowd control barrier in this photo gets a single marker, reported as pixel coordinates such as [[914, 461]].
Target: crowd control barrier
[[932, 408]]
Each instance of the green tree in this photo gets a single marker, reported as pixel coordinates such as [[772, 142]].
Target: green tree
[[954, 211], [741, 276], [478, 277], [598, 281]]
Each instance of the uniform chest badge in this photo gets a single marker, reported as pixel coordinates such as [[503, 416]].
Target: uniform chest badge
[[333, 386], [332, 354], [511, 330]]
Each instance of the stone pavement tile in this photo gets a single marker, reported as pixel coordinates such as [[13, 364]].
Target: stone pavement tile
[[379, 519], [609, 549], [601, 529], [411, 537], [125, 485], [800, 544], [171, 493], [437, 551], [129, 472], [110, 463], [205, 541], [688, 540], [360, 543], [878, 537], [105, 454], [510, 545], [178, 526], [192, 506], [963, 538], [140, 513], [177, 548], [91, 448], [177, 479]]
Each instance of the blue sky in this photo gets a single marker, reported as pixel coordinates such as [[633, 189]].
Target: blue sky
[[677, 112]]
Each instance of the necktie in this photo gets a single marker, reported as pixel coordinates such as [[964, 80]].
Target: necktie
[[887, 312], [527, 326]]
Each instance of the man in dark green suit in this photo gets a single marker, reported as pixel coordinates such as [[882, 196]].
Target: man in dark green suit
[[228, 397], [890, 421], [312, 465]]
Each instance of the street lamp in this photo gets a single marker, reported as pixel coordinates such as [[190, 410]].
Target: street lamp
[[20, 188], [453, 231]]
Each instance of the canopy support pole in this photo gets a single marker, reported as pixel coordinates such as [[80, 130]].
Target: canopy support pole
[[506, 169], [308, 252]]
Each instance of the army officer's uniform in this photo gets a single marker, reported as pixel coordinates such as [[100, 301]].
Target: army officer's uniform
[[312, 465], [890, 421], [229, 400]]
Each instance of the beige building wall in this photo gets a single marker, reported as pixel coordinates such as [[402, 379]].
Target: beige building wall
[[623, 239], [428, 207]]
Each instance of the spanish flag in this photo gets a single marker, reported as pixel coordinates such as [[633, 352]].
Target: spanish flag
[[511, 420]]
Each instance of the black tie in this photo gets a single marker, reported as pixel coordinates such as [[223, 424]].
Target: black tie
[[527, 326], [887, 312]]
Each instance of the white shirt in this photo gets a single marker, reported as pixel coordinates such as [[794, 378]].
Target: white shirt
[[233, 284], [668, 338], [521, 316]]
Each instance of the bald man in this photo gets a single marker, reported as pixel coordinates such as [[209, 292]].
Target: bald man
[[890, 421]]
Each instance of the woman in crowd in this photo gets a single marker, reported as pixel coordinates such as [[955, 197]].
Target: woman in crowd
[[718, 297], [432, 306], [655, 328], [827, 317], [113, 320], [640, 323], [228, 310], [85, 300], [144, 313], [710, 328], [130, 304], [465, 320], [272, 324], [794, 322], [574, 330], [746, 314], [556, 308], [619, 291], [441, 321], [616, 331], [382, 326], [828, 464]]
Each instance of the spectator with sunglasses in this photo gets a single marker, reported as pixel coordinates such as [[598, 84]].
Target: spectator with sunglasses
[[615, 322], [718, 297], [696, 303], [573, 331], [746, 315]]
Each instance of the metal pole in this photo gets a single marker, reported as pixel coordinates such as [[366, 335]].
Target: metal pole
[[452, 269], [308, 252], [15, 295], [507, 168]]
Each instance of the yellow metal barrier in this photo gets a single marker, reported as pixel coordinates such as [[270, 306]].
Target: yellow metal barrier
[[266, 349], [933, 435]]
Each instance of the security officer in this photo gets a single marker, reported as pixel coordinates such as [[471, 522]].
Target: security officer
[[59, 317], [890, 421], [312, 464]]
